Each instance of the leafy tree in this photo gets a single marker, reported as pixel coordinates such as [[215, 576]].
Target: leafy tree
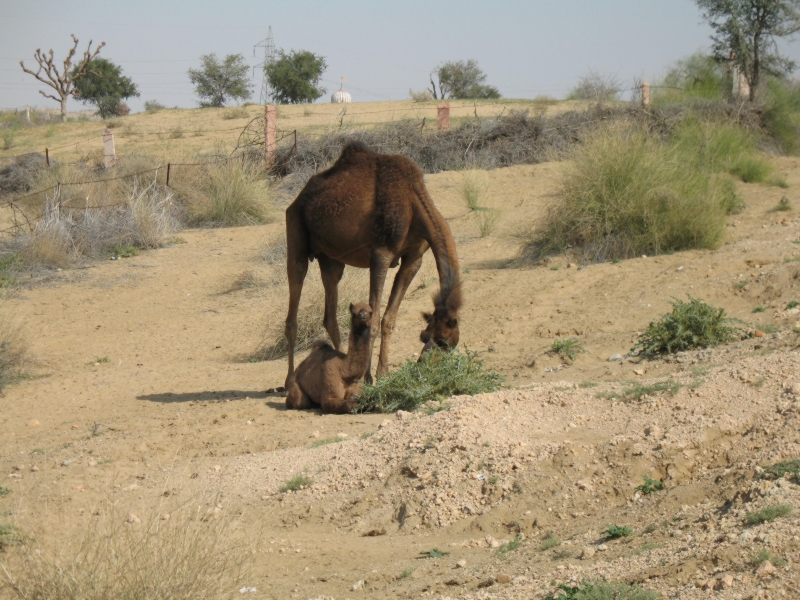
[[462, 80], [64, 81], [295, 77], [700, 74], [745, 32], [106, 87], [216, 82]]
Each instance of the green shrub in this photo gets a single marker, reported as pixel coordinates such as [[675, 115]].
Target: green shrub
[[769, 513], [765, 555], [617, 531], [752, 169], [510, 546], [295, 483], [549, 541], [153, 106], [697, 77], [781, 115], [8, 139], [4, 491], [628, 194], [602, 590], [649, 486], [438, 375], [690, 325], [10, 535], [781, 469], [783, 205], [230, 193], [567, 348]]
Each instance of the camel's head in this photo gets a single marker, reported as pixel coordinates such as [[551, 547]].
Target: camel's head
[[442, 329], [360, 316]]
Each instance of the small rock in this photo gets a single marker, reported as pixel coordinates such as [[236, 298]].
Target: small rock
[[403, 415], [314, 434], [615, 358], [76, 427], [644, 255], [602, 547], [679, 269], [572, 266], [67, 462], [461, 564], [132, 518], [33, 423], [503, 578], [165, 517], [587, 553], [585, 485], [341, 436], [34, 468], [795, 389], [700, 583], [485, 584], [758, 333], [637, 450], [92, 463], [491, 542], [519, 579], [217, 468], [653, 431], [469, 509], [384, 423], [765, 569], [726, 582], [638, 371], [358, 585]]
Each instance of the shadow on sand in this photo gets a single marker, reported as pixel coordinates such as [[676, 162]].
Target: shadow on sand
[[217, 396]]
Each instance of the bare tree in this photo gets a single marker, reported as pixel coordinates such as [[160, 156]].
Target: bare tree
[[62, 82]]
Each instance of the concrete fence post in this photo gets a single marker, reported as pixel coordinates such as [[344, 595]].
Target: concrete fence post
[[109, 156], [443, 116], [269, 135], [645, 94]]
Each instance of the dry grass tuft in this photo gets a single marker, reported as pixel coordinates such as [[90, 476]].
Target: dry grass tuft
[[191, 554], [14, 355]]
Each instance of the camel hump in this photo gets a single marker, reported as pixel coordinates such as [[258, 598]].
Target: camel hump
[[354, 147]]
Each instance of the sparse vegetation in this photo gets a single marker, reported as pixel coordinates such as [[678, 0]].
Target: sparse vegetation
[[295, 483], [473, 189], [602, 590], [617, 531], [783, 205], [759, 309], [514, 544], [596, 87], [14, 357], [326, 441], [152, 106], [437, 375], [235, 112], [764, 555], [567, 348], [4, 491], [768, 513], [10, 535], [783, 468], [690, 325], [433, 553], [406, 572], [634, 391], [549, 541], [587, 384], [187, 556], [649, 486]]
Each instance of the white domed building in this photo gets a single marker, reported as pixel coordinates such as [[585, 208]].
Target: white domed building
[[341, 96]]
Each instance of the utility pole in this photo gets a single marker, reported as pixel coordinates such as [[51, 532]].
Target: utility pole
[[268, 44]]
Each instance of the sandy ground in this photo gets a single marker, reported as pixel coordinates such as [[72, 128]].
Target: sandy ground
[[145, 390]]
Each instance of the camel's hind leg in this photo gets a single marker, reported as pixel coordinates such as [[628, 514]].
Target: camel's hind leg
[[296, 398], [331, 271], [409, 267], [297, 252]]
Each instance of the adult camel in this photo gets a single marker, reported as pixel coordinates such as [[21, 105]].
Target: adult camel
[[371, 211]]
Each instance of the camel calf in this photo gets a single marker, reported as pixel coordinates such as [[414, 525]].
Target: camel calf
[[329, 378]]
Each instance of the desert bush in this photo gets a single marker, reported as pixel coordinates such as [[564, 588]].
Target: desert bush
[[767, 514], [21, 174], [153, 106], [690, 325], [295, 483], [628, 194], [567, 348], [473, 188], [145, 218], [421, 96], [782, 469], [601, 590], [438, 375], [227, 193], [596, 87], [9, 136], [781, 114], [14, 355], [617, 531], [697, 77], [487, 219], [186, 556], [235, 112]]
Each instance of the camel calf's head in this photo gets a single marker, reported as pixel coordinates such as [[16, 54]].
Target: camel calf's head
[[360, 316]]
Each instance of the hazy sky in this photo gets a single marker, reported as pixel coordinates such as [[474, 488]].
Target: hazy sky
[[527, 48]]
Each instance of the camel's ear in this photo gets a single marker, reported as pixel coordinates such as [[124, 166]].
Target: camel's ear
[[428, 317]]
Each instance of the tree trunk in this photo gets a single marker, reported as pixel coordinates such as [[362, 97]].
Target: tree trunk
[[63, 109]]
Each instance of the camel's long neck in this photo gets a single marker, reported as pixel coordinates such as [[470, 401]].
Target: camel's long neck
[[442, 243], [358, 352]]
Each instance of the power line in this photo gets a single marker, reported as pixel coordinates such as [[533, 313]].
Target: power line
[[268, 43]]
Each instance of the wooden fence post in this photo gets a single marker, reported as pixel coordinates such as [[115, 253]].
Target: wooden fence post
[[269, 135], [47, 157], [645, 94], [109, 157], [443, 116]]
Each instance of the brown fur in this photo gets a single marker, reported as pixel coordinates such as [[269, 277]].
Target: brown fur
[[371, 211], [328, 378]]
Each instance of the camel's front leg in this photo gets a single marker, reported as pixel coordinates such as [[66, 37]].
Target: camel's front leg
[[379, 266], [409, 267], [296, 269]]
